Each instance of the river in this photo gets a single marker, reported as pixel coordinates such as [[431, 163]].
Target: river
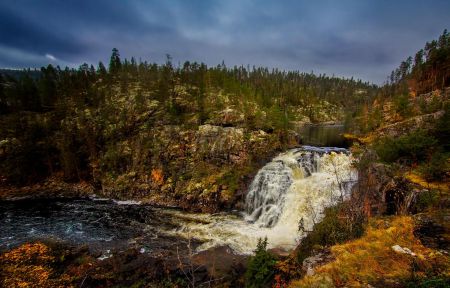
[[323, 135]]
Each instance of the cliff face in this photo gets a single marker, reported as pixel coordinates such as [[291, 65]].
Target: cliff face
[[203, 169]]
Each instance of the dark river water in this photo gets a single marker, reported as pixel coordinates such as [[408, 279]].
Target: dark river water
[[102, 225], [323, 135]]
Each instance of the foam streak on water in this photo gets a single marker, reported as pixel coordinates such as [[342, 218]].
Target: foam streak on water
[[298, 184]]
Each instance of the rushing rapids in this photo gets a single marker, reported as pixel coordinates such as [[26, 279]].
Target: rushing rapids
[[296, 186]]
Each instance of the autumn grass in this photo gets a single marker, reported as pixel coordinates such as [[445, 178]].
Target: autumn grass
[[371, 259], [422, 182]]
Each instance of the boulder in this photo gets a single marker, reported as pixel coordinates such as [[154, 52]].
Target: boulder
[[403, 250], [378, 191]]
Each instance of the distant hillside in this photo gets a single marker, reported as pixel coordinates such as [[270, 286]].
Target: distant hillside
[[419, 86], [19, 73]]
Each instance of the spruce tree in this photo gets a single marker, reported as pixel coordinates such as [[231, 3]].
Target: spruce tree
[[114, 63]]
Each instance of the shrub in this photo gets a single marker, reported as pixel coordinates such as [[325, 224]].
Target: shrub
[[436, 167], [426, 200], [435, 282], [402, 105], [336, 227], [260, 270], [387, 149], [412, 146]]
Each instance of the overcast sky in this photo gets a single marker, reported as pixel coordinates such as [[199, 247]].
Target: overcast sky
[[360, 38]]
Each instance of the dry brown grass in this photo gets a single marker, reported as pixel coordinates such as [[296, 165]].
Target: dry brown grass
[[371, 260]]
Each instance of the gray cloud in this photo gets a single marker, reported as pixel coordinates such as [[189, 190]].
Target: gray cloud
[[364, 39]]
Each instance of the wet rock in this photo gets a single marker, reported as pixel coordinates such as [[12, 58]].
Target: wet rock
[[221, 263], [372, 182], [380, 192], [51, 188]]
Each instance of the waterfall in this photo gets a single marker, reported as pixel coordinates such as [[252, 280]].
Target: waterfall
[[296, 186], [267, 191], [284, 177]]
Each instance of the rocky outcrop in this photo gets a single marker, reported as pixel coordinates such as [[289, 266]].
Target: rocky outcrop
[[404, 127], [224, 144], [378, 191], [206, 168], [51, 188], [372, 180], [227, 117], [313, 262]]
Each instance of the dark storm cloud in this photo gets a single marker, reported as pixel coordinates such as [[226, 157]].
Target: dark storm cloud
[[364, 39], [17, 31]]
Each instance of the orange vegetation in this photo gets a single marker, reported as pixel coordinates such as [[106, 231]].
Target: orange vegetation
[[371, 259], [29, 266], [157, 176]]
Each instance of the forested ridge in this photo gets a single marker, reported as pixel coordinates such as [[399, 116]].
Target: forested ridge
[[428, 70], [418, 86], [149, 125]]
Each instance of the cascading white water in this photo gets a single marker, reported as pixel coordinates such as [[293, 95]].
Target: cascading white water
[[296, 186], [287, 173], [267, 193]]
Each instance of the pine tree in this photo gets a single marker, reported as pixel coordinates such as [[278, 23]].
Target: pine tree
[[114, 64], [47, 87], [260, 268], [101, 70]]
